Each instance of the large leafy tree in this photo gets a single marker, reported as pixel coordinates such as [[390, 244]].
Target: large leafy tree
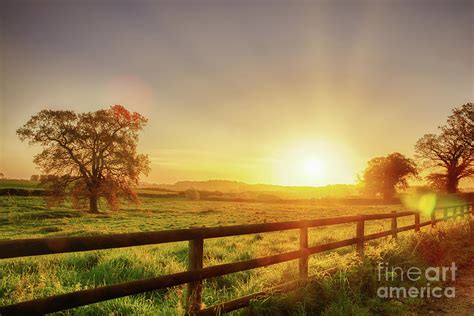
[[384, 175], [88, 155], [450, 154]]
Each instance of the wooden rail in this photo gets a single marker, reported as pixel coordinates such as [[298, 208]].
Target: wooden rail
[[196, 273]]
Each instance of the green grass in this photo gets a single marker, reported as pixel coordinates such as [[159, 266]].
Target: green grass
[[29, 217], [18, 184], [352, 289]]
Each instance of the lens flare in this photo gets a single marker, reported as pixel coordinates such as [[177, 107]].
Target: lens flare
[[424, 203], [427, 203]]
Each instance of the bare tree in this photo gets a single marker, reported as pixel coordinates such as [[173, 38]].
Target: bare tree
[[449, 154], [89, 155]]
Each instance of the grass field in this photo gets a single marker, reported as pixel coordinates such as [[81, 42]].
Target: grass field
[[18, 184], [29, 217]]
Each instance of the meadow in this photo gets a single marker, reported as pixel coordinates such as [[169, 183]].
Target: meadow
[[18, 184], [34, 277]]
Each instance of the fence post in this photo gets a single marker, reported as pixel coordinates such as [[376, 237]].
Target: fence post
[[462, 211], [360, 236], [445, 213], [303, 262], [417, 222], [194, 294], [433, 218], [394, 224]]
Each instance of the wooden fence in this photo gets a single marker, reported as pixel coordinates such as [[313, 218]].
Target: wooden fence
[[196, 273]]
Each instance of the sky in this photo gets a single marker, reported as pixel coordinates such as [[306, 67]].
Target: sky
[[280, 92]]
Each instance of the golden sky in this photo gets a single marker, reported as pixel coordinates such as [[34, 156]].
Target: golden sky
[[292, 93]]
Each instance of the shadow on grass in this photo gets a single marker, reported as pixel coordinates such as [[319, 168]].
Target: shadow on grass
[[51, 214]]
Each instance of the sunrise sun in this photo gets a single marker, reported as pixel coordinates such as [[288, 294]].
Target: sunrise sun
[[313, 167]]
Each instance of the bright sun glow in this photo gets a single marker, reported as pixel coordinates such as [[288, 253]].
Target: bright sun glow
[[313, 163], [313, 167]]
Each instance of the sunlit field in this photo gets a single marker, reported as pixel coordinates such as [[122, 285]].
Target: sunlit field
[[185, 120], [35, 277]]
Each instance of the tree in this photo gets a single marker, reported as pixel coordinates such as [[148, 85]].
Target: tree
[[461, 124], [34, 177], [88, 155], [385, 174], [449, 154], [192, 194], [2, 176]]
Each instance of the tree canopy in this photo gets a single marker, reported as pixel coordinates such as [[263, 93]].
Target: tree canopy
[[384, 175], [88, 155], [450, 154]]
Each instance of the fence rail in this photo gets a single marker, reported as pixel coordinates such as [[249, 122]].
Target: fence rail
[[196, 273]]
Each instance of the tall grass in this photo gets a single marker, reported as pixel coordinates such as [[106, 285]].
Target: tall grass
[[352, 288]]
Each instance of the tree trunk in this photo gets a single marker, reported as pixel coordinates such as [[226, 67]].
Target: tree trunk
[[452, 183], [93, 204], [389, 192]]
